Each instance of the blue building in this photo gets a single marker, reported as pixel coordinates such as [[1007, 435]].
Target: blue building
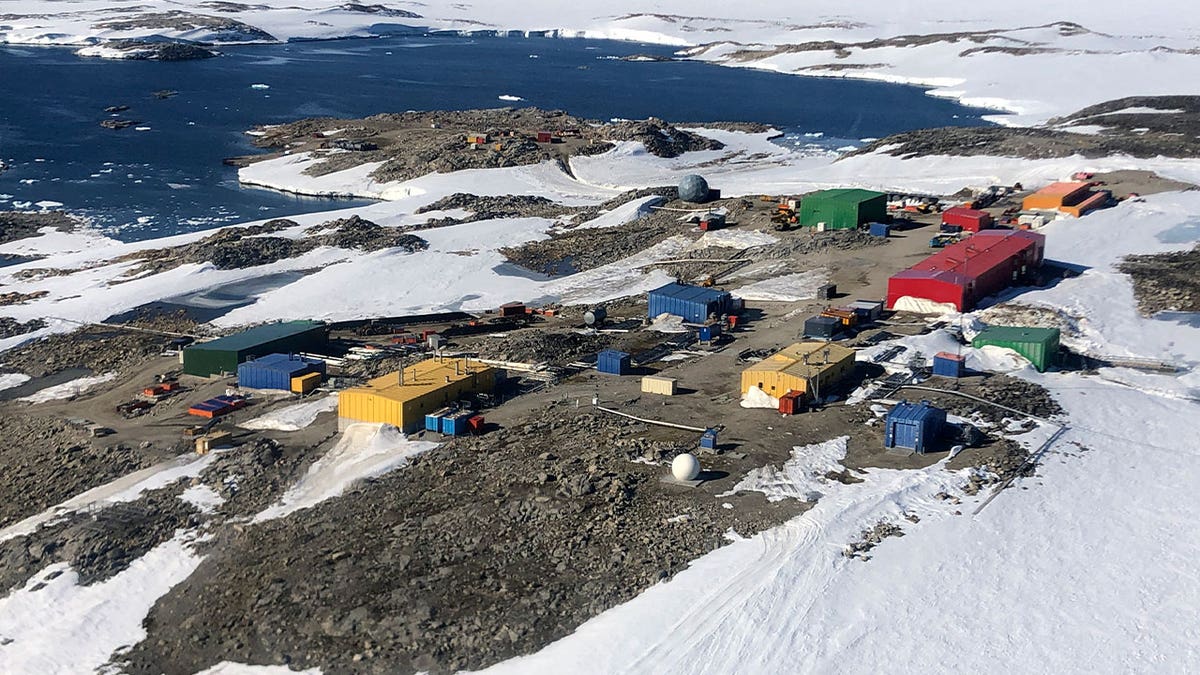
[[914, 426], [693, 303], [275, 371]]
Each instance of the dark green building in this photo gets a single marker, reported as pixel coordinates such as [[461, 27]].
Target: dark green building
[[1039, 345], [224, 354], [842, 209]]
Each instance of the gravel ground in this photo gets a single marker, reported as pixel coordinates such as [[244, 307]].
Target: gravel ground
[[451, 562]]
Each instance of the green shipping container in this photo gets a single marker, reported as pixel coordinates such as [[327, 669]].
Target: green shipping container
[[224, 354], [1039, 345], [843, 209]]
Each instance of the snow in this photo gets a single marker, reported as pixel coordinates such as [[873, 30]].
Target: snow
[[757, 398], [54, 625], [231, 668], [786, 288], [801, 477], [125, 489], [67, 389], [203, 497], [10, 380], [364, 451], [293, 417]]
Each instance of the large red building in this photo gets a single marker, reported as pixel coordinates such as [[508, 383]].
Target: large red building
[[982, 265]]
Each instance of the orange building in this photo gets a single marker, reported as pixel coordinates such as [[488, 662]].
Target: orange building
[[1072, 198]]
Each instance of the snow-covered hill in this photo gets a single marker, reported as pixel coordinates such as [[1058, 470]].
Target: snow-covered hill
[[1035, 59]]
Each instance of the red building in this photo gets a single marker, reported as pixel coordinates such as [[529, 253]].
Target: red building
[[961, 274], [970, 220]]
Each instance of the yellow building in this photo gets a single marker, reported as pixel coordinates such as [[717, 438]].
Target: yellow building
[[404, 397], [805, 367]]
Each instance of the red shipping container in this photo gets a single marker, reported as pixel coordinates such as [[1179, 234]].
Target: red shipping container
[[970, 220], [545, 137], [791, 402]]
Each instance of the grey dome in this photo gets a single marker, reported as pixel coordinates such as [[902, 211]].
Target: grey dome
[[693, 188]]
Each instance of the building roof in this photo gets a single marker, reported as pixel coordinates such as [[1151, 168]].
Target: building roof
[[913, 412], [691, 293], [964, 211], [1018, 334], [978, 253], [791, 359], [249, 339], [422, 378], [282, 362], [845, 195], [1061, 189]]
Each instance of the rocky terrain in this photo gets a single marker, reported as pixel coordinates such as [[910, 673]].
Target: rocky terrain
[[240, 247], [1166, 281], [15, 225], [1142, 132], [95, 348], [45, 460], [413, 144], [140, 50], [451, 563]]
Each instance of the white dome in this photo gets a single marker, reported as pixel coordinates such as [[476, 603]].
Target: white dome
[[685, 467]]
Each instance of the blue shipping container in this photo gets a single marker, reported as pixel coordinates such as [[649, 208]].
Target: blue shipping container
[[947, 365], [693, 303], [613, 362], [708, 440], [456, 424], [881, 230], [914, 426], [275, 371], [433, 420], [709, 332]]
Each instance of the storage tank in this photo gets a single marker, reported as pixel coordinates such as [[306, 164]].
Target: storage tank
[[595, 316], [693, 188]]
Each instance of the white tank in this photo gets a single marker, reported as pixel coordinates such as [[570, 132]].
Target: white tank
[[685, 467]]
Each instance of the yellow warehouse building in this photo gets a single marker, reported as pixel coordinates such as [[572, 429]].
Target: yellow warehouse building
[[404, 397], [805, 367]]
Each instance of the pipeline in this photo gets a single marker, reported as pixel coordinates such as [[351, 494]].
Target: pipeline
[[650, 421]]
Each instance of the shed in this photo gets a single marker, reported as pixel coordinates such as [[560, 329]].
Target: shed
[[1039, 345], [405, 397], [512, 309], [970, 220], [712, 221], [803, 367], [867, 310], [613, 362], [948, 365], [708, 440], [842, 209], [545, 137], [914, 426], [693, 303], [224, 354], [657, 384], [880, 229], [791, 403], [822, 327], [276, 371]]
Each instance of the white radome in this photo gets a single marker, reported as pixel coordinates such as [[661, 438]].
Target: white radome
[[685, 467]]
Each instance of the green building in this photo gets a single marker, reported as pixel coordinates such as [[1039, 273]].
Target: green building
[[224, 354], [1039, 345], [843, 209]]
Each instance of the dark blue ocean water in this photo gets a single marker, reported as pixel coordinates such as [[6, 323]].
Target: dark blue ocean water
[[168, 178]]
